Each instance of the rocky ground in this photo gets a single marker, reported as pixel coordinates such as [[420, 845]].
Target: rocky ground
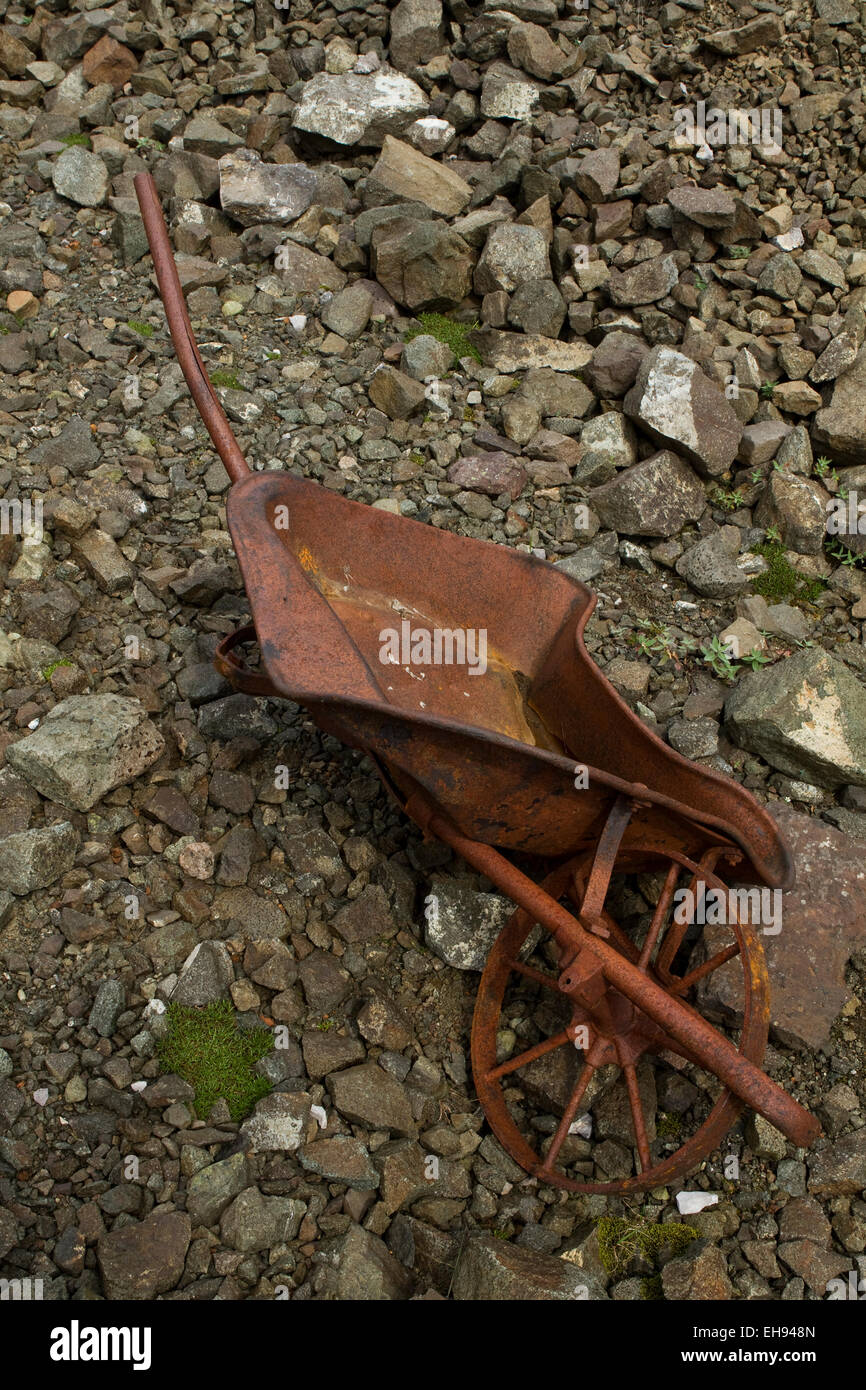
[[648, 366]]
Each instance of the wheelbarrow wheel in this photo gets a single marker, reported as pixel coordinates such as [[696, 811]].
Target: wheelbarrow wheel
[[609, 1029]]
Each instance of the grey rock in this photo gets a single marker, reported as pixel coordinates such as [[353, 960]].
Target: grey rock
[[822, 267], [102, 557], [87, 746], [491, 1269], [74, 448], [644, 283], [707, 207], [354, 109], [425, 357], [537, 307], [279, 1122], [423, 265], [710, 566], [507, 95], [80, 175], [462, 925], [409, 174], [305, 271], [676, 404], [656, 497], [32, 859], [607, 442], [144, 1258], [512, 255], [798, 508], [806, 716], [761, 442], [416, 33], [840, 428], [252, 191], [108, 1005], [364, 1269], [341, 1158], [780, 277], [254, 1222], [367, 1095], [206, 975], [597, 174], [615, 363], [348, 313], [209, 1191]]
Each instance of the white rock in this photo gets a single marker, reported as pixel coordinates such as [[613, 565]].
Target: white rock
[[358, 109], [688, 1203]]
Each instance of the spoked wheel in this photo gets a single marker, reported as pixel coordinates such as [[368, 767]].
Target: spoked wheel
[[573, 1006]]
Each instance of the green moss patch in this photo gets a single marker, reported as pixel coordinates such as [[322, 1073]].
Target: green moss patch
[[445, 330], [780, 581], [206, 1047], [227, 380], [621, 1239]]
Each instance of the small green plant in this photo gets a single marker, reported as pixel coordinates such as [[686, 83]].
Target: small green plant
[[621, 1239], [718, 658], [651, 1287], [325, 1025], [656, 639], [822, 464], [77, 137], [755, 660], [48, 671], [780, 581], [227, 380], [766, 390], [144, 330], [147, 142], [444, 330], [729, 499], [700, 284], [668, 1125], [774, 535], [738, 253], [756, 475], [206, 1047], [837, 551]]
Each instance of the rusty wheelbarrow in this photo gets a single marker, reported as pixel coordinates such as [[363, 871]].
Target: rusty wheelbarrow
[[534, 754]]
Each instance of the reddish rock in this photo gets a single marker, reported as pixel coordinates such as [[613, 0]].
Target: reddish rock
[[491, 473], [109, 61], [823, 922]]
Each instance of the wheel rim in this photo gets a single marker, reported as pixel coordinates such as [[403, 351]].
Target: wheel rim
[[622, 1041]]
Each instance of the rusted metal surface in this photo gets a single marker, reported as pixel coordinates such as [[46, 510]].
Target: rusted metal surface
[[488, 762]]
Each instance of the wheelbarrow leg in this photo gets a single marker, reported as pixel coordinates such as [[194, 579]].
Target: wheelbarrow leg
[[699, 1039]]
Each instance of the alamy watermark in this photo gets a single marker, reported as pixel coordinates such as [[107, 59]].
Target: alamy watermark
[[709, 907], [21, 518], [846, 516], [438, 646], [715, 127]]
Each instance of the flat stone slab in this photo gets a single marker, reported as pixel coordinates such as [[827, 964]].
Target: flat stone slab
[[823, 922]]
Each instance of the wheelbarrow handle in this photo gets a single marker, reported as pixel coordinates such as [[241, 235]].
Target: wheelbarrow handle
[[235, 670], [703, 1042], [197, 379]]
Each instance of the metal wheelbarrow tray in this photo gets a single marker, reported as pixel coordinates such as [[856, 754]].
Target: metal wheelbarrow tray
[[537, 755]]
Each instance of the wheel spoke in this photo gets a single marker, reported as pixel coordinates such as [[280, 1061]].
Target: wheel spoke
[[567, 1120], [700, 972], [637, 1116], [531, 1055], [677, 930], [549, 981], [659, 915]]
